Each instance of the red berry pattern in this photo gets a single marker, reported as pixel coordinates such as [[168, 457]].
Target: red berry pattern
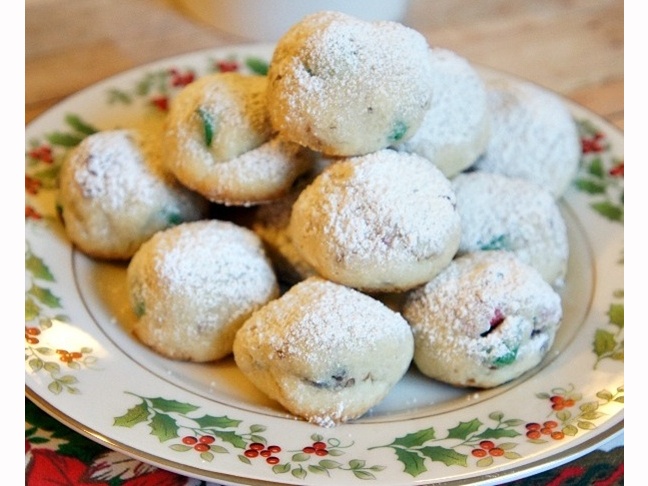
[[160, 102], [226, 66], [257, 449], [318, 448], [487, 448], [180, 79], [536, 431], [31, 335], [617, 170], [558, 402], [593, 143], [68, 356], [32, 185], [43, 153], [31, 213], [38, 356], [203, 444]]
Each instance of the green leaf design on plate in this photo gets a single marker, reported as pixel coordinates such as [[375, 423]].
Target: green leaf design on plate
[[600, 174], [207, 421], [413, 449], [135, 415], [257, 65], [464, 429], [37, 267], [79, 125], [164, 427], [447, 456], [608, 344]]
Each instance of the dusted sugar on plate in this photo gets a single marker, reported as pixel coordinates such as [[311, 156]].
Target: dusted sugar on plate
[[344, 86], [456, 128], [219, 142], [192, 287], [324, 351], [114, 193], [533, 136], [485, 320], [381, 222], [508, 213]]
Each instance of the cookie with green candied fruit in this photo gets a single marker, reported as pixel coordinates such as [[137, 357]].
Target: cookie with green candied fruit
[[115, 193], [344, 86], [219, 142], [191, 287], [484, 321]]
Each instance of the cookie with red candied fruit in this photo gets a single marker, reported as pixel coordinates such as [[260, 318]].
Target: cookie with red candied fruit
[[484, 321]]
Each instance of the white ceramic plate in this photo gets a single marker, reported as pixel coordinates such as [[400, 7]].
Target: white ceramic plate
[[111, 388]]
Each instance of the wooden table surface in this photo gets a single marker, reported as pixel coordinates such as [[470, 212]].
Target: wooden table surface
[[575, 47]]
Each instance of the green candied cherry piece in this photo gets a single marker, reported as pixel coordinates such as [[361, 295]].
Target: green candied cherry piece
[[140, 308], [498, 243], [174, 219], [208, 124], [399, 129], [506, 359]]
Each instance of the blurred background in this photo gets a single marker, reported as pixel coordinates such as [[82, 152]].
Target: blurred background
[[574, 47]]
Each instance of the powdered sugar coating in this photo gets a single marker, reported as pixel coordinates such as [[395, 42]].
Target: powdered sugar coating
[[485, 320], [513, 214], [456, 127], [115, 194], [236, 105], [220, 144], [533, 136], [194, 285], [385, 221], [259, 176], [326, 352], [343, 86]]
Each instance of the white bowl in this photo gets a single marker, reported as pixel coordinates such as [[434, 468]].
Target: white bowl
[[267, 20]]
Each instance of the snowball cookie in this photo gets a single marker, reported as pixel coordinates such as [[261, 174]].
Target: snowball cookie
[[485, 320], [324, 351], [533, 135], [270, 222], [259, 176], [506, 213], [194, 285], [344, 86], [114, 193], [456, 127], [380, 222], [219, 141]]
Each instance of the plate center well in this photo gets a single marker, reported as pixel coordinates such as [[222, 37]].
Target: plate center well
[[105, 294]]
